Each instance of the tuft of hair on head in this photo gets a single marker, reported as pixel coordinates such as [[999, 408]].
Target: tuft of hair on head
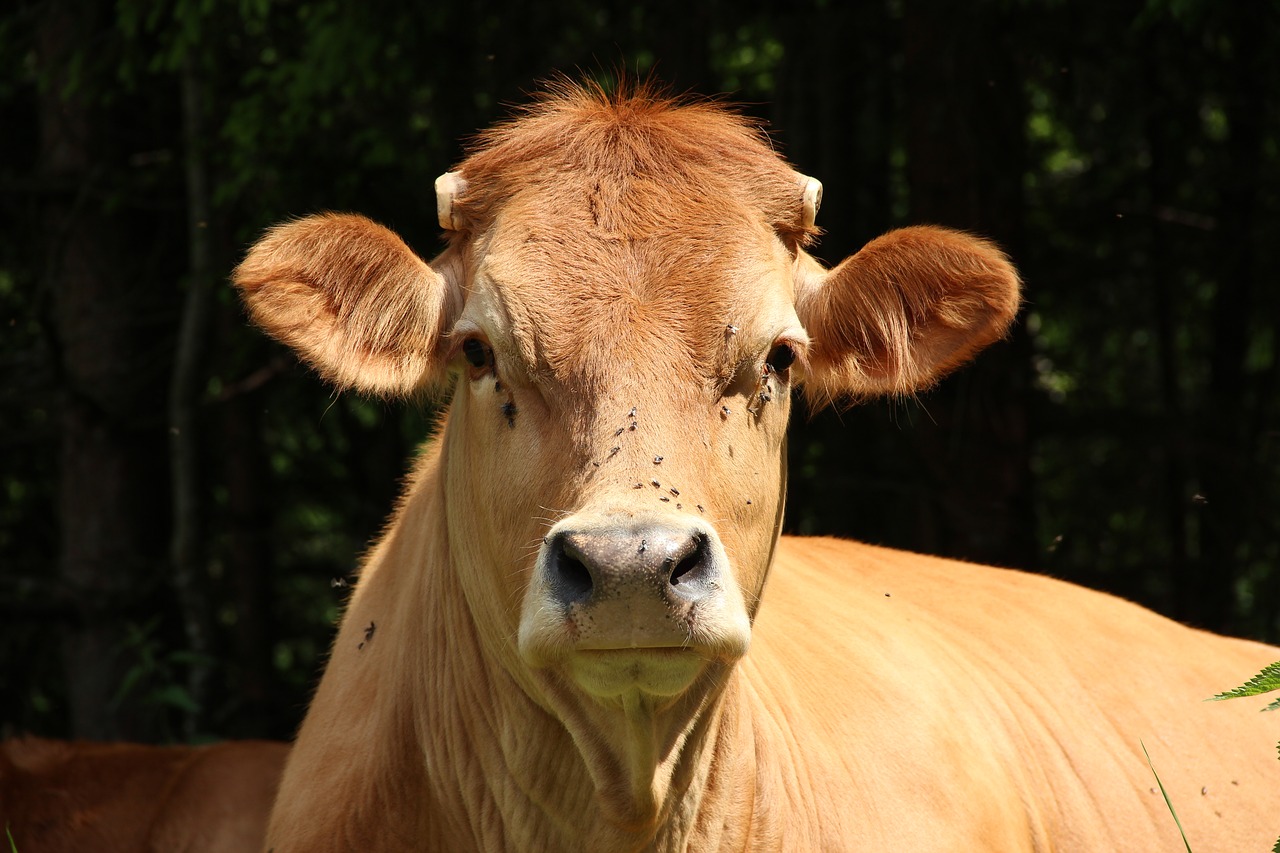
[[584, 131]]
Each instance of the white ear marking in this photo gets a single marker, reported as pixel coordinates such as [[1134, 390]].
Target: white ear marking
[[448, 187], [812, 200]]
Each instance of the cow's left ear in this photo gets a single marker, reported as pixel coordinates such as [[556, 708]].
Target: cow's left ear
[[904, 311], [353, 301]]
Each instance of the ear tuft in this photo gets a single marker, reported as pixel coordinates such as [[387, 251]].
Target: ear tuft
[[351, 299], [907, 309]]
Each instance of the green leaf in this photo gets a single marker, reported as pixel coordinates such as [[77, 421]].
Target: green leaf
[[174, 696], [1263, 682]]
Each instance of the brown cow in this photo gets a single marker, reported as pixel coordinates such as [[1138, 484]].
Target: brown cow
[[71, 797], [548, 648]]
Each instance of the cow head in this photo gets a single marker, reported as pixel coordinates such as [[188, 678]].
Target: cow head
[[624, 309]]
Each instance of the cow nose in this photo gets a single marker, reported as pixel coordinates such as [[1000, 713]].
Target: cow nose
[[674, 563], [619, 581]]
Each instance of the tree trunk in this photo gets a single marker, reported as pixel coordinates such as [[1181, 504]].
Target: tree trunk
[[186, 550], [111, 476]]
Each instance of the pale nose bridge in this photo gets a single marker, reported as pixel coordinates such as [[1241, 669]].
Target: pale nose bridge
[[653, 442]]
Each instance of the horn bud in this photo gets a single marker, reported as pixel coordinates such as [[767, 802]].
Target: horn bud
[[812, 197], [449, 186]]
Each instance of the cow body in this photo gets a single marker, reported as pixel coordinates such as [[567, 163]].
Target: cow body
[[560, 641], [65, 797]]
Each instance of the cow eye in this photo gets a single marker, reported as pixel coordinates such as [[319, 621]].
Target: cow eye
[[476, 353], [781, 357]]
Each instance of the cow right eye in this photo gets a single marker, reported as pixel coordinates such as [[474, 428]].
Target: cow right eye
[[476, 353], [781, 357]]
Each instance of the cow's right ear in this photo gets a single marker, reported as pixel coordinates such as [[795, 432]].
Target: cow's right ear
[[352, 300]]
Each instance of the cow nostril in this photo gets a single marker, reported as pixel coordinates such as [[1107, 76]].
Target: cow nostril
[[572, 577], [692, 567], [685, 566]]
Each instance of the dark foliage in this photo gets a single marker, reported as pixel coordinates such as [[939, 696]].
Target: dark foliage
[[1126, 436]]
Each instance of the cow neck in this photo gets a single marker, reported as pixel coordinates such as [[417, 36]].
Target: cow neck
[[648, 764], [551, 764]]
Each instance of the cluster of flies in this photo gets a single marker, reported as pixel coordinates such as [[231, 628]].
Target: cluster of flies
[[631, 427], [763, 394]]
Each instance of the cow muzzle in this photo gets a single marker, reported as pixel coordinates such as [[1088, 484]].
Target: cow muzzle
[[627, 603]]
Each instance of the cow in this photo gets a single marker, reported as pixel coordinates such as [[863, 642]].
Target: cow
[[74, 796], [582, 630]]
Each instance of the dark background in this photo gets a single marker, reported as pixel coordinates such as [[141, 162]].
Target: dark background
[[177, 496]]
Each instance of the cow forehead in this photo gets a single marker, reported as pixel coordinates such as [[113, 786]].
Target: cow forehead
[[579, 300], [629, 163]]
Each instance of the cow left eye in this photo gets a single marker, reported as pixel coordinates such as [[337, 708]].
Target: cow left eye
[[477, 354]]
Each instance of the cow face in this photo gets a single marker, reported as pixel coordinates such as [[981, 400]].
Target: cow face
[[618, 434], [625, 307]]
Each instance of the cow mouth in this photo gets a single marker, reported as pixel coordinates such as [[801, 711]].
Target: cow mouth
[[615, 673], [660, 658]]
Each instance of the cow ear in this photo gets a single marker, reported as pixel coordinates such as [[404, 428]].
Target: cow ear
[[900, 314], [352, 300]]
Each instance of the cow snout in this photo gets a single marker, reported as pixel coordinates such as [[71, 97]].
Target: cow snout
[[673, 564], [613, 595]]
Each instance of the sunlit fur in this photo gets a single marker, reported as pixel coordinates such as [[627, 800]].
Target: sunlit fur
[[351, 298], [630, 262], [647, 163], [70, 797], [908, 307]]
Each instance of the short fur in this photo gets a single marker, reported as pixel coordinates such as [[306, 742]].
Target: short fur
[[69, 797], [375, 325], [630, 273], [617, 145]]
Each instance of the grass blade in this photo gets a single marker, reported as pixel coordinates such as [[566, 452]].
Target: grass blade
[[1167, 801]]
